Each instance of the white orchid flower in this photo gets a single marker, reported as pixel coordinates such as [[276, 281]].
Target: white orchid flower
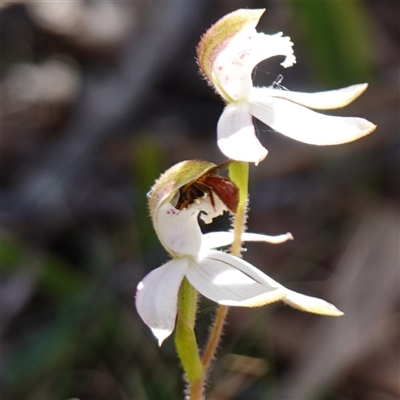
[[217, 275], [227, 55]]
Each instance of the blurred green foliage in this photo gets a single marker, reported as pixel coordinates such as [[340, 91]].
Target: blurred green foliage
[[338, 36]]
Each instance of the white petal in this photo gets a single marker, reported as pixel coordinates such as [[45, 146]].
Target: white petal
[[178, 230], [258, 237], [211, 210], [231, 72], [229, 280], [267, 46], [214, 240], [157, 297], [304, 125], [311, 304], [321, 100], [236, 135]]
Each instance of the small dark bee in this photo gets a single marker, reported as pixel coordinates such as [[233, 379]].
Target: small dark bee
[[211, 184]]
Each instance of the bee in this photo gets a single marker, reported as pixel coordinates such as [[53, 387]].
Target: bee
[[212, 184]]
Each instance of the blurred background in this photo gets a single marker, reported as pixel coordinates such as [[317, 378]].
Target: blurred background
[[98, 99]]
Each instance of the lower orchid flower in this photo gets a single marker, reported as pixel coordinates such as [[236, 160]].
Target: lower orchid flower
[[217, 275]]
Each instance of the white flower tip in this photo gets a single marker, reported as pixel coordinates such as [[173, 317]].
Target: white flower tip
[[278, 239], [289, 61], [161, 334], [362, 87], [350, 93], [341, 97], [370, 128], [327, 309], [311, 304], [362, 127], [261, 157], [289, 236], [338, 313]]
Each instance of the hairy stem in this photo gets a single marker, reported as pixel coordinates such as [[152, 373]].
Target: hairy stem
[[239, 173], [185, 338]]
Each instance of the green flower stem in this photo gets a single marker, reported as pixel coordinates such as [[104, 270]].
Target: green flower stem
[[239, 173], [215, 336], [185, 338]]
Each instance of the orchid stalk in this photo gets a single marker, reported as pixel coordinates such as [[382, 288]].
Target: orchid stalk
[[166, 298]]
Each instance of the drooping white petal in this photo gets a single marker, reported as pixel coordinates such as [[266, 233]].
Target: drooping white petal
[[179, 230], [311, 304], [157, 297], [233, 66], [327, 100], [229, 280], [236, 135], [304, 125], [213, 240]]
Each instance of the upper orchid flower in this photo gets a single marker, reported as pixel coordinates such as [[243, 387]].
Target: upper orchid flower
[[219, 276], [227, 55]]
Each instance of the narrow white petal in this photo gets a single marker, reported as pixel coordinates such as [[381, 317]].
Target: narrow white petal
[[229, 280], [157, 297], [327, 100], [236, 135], [311, 304], [214, 240], [304, 125], [258, 237]]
